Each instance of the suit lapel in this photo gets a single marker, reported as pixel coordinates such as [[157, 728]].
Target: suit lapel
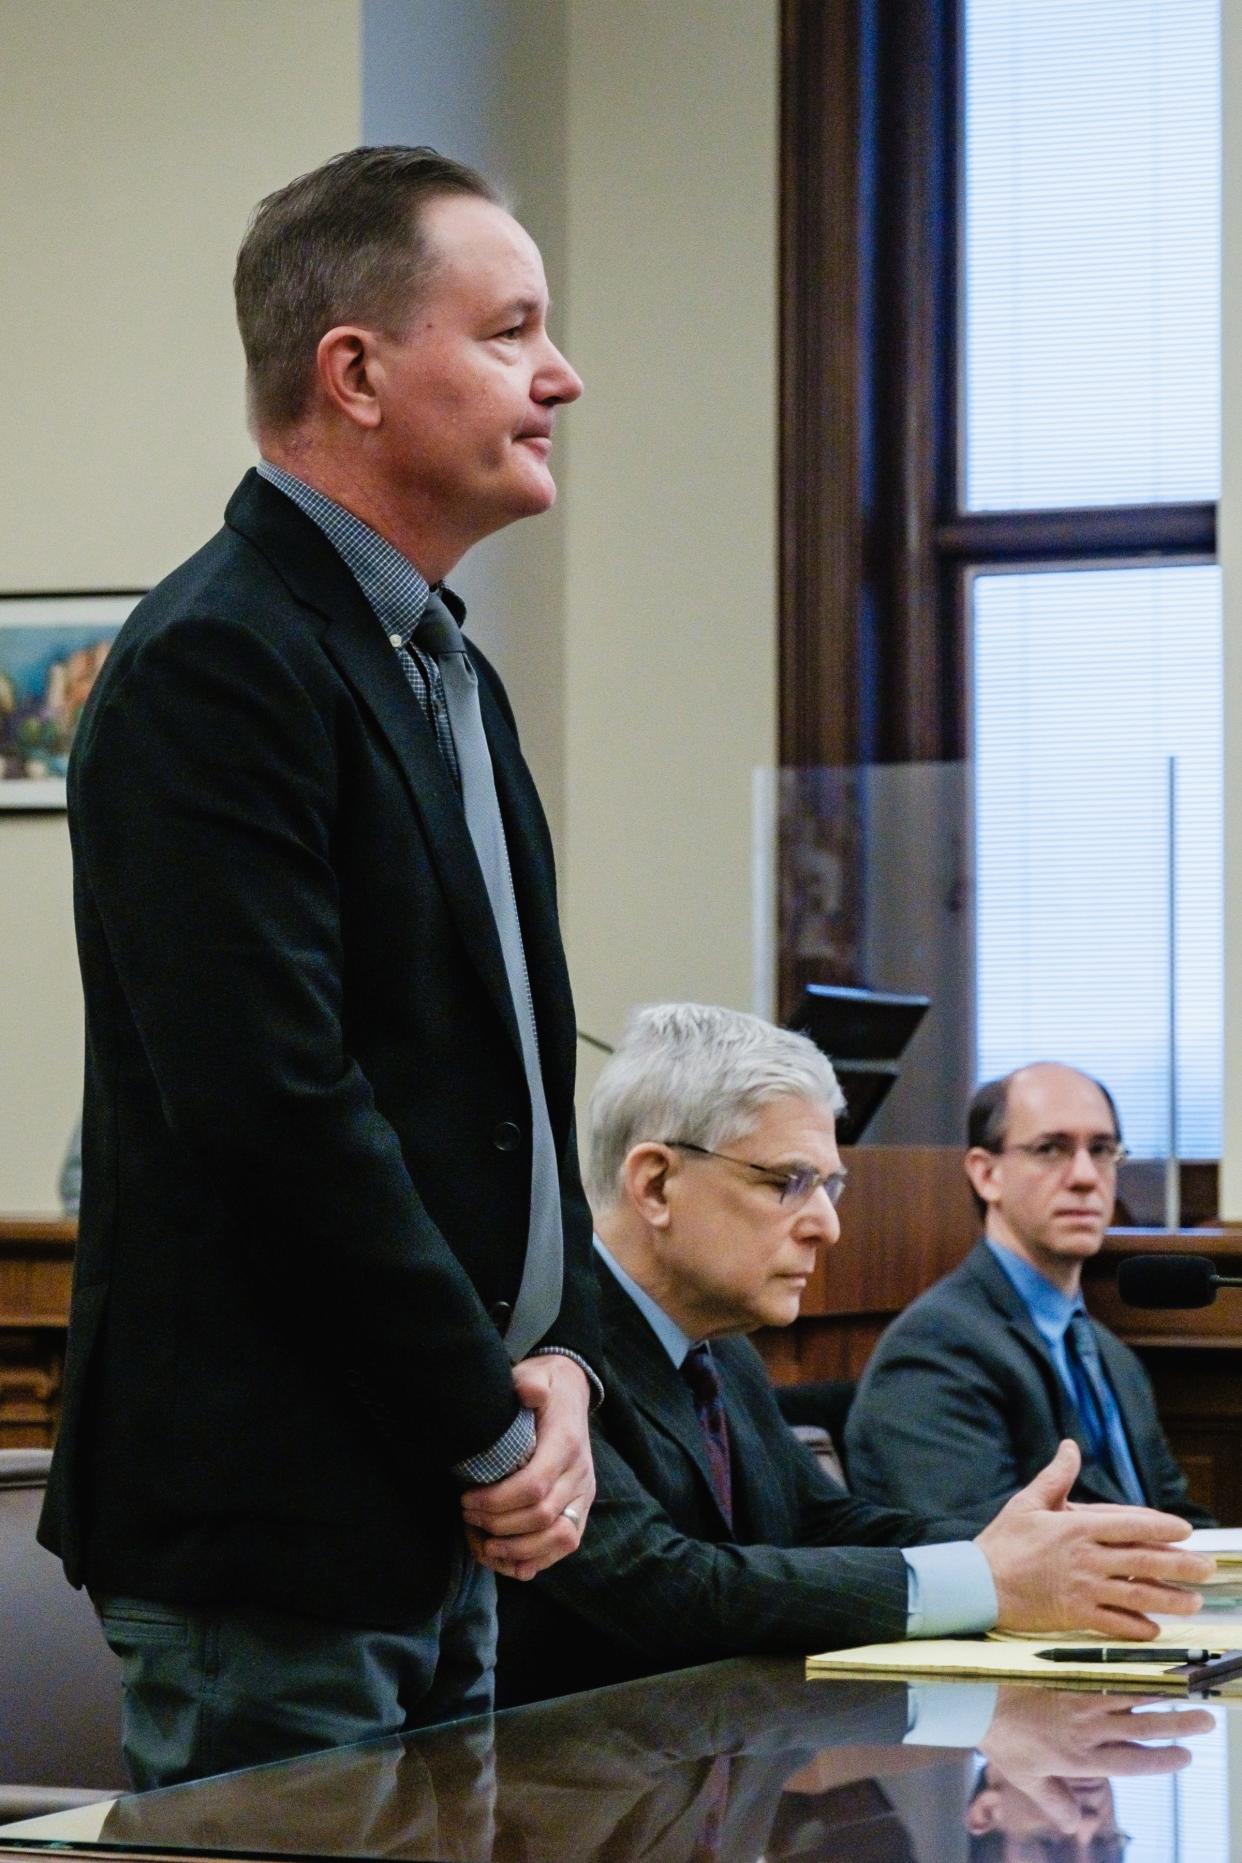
[[653, 1383], [317, 577], [1004, 1295]]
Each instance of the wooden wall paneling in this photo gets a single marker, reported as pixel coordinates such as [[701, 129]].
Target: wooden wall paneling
[[820, 384], [36, 1271], [906, 1220], [1217, 1326], [1193, 1357], [910, 446], [822, 684]]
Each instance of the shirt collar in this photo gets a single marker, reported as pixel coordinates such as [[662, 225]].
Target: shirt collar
[[667, 1331], [1049, 1308], [394, 588]]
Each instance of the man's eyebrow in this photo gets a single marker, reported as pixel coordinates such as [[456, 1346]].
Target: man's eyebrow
[[516, 310], [1060, 1133]]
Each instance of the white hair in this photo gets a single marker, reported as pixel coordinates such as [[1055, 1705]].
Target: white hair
[[692, 1072]]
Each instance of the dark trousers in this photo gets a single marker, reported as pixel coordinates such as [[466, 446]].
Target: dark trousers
[[208, 1691]]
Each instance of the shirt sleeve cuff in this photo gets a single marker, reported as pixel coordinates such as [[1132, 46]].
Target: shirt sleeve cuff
[[950, 1714], [506, 1456], [597, 1389], [949, 1590]]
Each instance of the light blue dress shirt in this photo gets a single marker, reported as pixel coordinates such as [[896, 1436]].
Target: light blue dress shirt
[[949, 1589], [1051, 1312]]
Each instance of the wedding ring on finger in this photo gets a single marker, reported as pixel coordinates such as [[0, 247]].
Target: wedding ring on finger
[[571, 1513]]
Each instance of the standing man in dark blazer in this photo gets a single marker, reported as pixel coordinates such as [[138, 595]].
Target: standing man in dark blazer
[[970, 1390], [713, 1173], [333, 1327]]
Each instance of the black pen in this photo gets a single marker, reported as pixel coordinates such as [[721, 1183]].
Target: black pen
[[1143, 1653]]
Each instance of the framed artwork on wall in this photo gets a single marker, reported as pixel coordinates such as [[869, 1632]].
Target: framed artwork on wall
[[51, 647]]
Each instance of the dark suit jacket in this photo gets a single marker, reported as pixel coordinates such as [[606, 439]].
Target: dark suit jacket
[[659, 1580], [961, 1405], [307, 1129]]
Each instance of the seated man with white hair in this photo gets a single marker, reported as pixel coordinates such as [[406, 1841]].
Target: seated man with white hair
[[714, 1175]]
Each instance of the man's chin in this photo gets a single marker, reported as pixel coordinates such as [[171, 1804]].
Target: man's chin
[[536, 488], [1081, 1235], [782, 1306]]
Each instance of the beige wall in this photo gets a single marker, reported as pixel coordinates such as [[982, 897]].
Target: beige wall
[[484, 81], [135, 135], [670, 498], [636, 627]]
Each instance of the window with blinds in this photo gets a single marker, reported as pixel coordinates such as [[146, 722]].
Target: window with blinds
[[1090, 379], [1183, 1815], [1086, 684], [1092, 242]]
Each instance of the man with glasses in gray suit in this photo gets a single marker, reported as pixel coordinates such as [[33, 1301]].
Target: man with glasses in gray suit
[[971, 1389]]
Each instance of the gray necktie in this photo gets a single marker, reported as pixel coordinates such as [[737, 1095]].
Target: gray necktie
[[539, 1297]]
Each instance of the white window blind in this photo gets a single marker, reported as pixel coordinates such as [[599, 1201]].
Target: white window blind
[[1092, 252], [1181, 1817], [1085, 683]]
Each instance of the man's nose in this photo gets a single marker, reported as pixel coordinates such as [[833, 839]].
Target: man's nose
[[558, 380], [822, 1224], [1083, 1167]]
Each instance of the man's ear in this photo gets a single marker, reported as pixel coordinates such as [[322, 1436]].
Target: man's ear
[[345, 361], [981, 1167], [646, 1173], [983, 1812]]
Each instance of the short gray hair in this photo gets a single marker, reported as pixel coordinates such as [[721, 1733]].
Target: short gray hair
[[690, 1071]]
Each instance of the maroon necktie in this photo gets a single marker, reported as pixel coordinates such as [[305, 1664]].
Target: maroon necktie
[[699, 1370]]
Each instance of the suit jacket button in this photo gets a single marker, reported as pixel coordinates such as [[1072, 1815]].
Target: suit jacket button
[[506, 1136], [500, 1313]]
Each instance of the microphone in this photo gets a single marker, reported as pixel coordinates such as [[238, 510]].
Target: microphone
[[1170, 1281]]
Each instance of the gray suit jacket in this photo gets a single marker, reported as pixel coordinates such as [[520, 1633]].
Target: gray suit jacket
[[659, 1580], [961, 1405]]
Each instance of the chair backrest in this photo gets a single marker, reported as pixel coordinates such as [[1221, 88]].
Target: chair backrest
[[821, 1407], [60, 1685]]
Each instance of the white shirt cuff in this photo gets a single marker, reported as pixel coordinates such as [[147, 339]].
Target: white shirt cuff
[[949, 1590], [949, 1714]]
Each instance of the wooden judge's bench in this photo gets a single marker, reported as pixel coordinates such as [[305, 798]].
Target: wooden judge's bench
[[907, 1220]]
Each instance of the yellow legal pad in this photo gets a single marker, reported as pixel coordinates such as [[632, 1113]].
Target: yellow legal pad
[[1001, 1659]]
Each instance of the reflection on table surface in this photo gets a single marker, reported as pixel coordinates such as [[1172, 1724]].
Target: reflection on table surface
[[736, 1763]]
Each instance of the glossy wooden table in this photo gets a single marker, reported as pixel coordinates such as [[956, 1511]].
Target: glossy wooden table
[[733, 1763]]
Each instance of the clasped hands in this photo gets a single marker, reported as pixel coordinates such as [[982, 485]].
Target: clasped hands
[[519, 1526]]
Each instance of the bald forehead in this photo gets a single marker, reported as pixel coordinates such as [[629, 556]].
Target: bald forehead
[[1049, 1097], [469, 232]]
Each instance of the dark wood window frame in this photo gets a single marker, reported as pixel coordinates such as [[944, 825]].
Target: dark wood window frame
[[876, 555]]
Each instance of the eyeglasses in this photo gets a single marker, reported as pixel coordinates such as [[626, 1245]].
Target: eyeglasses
[[1058, 1150], [794, 1187]]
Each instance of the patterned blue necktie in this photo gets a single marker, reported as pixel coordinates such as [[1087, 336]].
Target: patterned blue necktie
[[1098, 1409]]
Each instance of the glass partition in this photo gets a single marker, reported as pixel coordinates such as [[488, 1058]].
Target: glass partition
[[1058, 898]]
